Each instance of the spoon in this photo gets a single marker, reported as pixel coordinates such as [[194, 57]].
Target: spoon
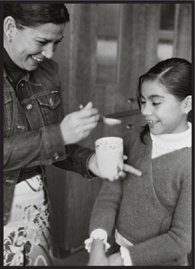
[[108, 121]]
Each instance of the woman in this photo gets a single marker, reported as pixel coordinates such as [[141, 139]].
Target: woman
[[35, 131]]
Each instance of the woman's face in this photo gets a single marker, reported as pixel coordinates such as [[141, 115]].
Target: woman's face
[[31, 46], [163, 112]]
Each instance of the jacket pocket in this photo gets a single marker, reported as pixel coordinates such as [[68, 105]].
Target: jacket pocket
[[51, 107]]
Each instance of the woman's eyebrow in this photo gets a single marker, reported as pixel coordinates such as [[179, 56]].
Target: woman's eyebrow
[[49, 40]]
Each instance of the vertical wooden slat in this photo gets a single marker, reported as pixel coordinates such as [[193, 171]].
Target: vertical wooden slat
[[82, 59], [138, 44], [183, 32], [78, 203]]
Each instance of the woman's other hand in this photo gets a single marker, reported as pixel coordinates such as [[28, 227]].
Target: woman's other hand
[[127, 169], [78, 125], [93, 167]]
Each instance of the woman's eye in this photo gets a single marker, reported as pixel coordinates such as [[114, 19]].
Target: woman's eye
[[155, 104], [41, 42]]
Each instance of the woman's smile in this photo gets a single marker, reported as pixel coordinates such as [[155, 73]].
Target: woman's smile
[[37, 59], [31, 46]]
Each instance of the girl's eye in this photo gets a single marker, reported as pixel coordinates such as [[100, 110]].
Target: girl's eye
[[155, 104], [57, 42]]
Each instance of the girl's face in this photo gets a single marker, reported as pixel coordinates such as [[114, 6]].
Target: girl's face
[[31, 46], [163, 112]]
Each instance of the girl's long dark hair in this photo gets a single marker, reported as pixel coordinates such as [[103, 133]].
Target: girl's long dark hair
[[176, 75]]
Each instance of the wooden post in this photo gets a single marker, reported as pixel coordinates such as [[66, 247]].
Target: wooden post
[[183, 32]]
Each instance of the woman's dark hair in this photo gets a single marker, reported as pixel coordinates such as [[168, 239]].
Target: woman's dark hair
[[176, 75], [35, 14]]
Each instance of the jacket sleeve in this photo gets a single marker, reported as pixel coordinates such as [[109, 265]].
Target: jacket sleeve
[[77, 158], [176, 242], [29, 149], [106, 207], [44, 147]]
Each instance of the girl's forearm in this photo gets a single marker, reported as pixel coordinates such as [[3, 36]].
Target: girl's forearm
[[97, 248], [97, 253]]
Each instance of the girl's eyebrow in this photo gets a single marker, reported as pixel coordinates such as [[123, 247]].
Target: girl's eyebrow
[[155, 95], [152, 96]]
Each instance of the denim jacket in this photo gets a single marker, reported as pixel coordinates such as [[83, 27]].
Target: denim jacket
[[39, 107]]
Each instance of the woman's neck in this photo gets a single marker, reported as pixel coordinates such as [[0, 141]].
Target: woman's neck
[[14, 71]]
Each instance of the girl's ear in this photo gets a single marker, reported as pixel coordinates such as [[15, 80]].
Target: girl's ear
[[9, 26], [187, 104]]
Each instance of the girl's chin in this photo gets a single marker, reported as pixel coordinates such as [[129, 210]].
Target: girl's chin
[[156, 131]]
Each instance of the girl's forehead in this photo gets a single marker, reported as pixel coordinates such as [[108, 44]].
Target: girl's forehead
[[153, 87]]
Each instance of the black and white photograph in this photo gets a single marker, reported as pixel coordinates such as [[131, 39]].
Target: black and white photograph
[[97, 133]]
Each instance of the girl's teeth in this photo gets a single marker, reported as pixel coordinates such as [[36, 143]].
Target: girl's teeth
[[151, 121]]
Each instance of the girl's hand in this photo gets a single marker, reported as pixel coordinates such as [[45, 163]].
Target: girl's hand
[[101, 261], [97, 254], [93, 167], [115, 259]]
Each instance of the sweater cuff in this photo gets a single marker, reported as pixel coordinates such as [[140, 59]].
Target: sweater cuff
[[125, 255], [97, 234]]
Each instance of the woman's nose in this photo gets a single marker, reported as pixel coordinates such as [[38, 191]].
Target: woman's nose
[[48, 51]]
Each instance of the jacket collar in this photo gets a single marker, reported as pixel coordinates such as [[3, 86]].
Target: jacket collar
[[26, 76]]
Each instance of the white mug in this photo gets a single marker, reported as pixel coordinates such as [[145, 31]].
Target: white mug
[[109, 153]]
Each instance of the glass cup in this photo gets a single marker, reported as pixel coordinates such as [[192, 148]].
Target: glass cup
[[109, 153]]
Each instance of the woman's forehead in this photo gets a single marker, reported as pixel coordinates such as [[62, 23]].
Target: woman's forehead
[[48, 31]]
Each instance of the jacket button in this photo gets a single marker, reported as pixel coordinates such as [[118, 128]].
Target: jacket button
[[51, 102], [29, 107], [56, 156], [9, 181]]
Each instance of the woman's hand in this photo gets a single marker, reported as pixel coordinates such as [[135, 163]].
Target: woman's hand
[[78, 125], [93, 167], [127, 169]]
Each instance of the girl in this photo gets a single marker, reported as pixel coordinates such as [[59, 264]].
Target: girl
[[151, 215]]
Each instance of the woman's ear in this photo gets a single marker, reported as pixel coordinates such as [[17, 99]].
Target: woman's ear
[[187, 104], [9, 26]]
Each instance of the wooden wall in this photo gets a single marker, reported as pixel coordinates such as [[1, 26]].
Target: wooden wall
[[71, 195]]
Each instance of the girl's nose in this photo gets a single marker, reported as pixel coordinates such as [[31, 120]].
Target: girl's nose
[[48, 51], [146, 110]]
